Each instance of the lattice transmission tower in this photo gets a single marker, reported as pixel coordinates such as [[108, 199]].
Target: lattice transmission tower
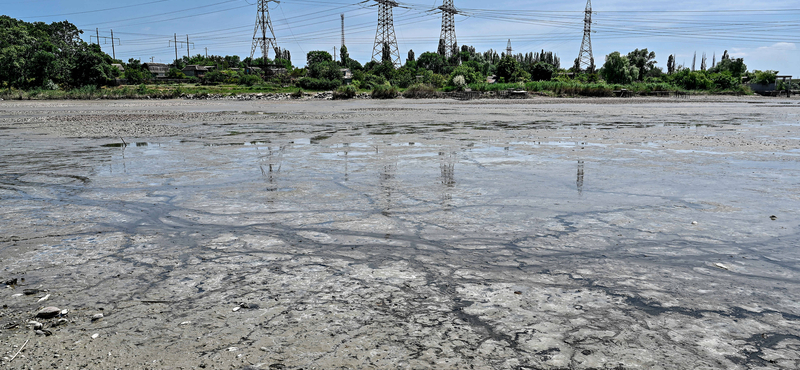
[[342, 29], [385, 40], [585, 57], [264, 24], [448, 36]]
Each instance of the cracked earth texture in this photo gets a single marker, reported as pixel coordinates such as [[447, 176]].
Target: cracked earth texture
[[535, 234]]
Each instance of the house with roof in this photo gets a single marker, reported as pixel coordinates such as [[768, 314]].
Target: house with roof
[[157, 70], [195, 71]]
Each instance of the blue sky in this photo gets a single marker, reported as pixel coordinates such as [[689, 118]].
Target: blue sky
[[765, 34]]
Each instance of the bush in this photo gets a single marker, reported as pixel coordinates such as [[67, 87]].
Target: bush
[[175, 73], [298, 94], [344, 92], [459, 82], [250, 80], [420, 91], [318, 83], [725, 81], [384, 92], [689, 80]]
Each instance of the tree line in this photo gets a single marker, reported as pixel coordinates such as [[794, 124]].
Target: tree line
[[53, 56]]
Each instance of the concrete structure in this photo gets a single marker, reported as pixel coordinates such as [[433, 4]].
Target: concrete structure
[[347, 76]]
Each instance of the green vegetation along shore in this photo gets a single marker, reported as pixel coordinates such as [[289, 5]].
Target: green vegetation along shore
[[51, 61]]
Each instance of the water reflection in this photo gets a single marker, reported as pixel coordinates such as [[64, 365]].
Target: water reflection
[[270, 164], [387, 185], [447, 173], [579, 181], [346, 147]]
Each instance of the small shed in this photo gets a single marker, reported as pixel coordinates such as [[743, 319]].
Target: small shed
[[157, 70]]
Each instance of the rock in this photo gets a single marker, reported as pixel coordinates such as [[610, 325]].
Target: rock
[[61, 322], [35, 325], [39, 332], [64, 312], [43, 298], [96, 317], [48, 312], [237, 308], [11, 281], [773, 217], [694, 222], [721, 266], [186, 323], [30, 291], [95, 335]]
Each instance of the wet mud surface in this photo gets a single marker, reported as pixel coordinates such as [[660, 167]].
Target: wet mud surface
[[537, 234]]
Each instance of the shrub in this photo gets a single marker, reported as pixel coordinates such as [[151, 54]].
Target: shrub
[[420, 91], [250, 80], [298, 94], [384, 92], [318, 83], [344, 92], [459, 82]]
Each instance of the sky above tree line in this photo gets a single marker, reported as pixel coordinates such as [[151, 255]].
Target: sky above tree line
[[765, 34]]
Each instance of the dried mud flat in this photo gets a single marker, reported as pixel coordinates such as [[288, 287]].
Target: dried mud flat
[[534, 234]]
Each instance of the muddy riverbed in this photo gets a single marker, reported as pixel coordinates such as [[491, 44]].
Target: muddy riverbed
[[403, 234]]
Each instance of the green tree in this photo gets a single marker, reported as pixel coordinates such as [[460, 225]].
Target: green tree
[[344, 56], [328, 70], [469, 74], [618, 69], [643, 60], [432, 62], [92, 67], [735, 67], [314, 57], [542, 71], [508, 68]]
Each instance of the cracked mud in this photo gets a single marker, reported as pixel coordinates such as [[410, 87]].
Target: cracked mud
[[537, 234]]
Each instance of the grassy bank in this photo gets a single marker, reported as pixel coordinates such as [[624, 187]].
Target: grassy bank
[[550, 88]]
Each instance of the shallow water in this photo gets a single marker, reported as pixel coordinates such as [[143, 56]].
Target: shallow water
[[441, 242]]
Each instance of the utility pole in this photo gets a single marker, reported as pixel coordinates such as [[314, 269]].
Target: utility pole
[[206, 52], [448, 35], [152, 59], [176, 42], [342, 29], [113, 52], [385, 40], [106, 38], [585, 56], [263, 22], [334, 53]]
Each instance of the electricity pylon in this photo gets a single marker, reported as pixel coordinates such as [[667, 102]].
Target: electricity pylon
[[585, 57], [448, 36], [385, 40], [263, 23]]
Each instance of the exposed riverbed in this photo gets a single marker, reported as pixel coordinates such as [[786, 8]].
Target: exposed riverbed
[[531, 234]]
